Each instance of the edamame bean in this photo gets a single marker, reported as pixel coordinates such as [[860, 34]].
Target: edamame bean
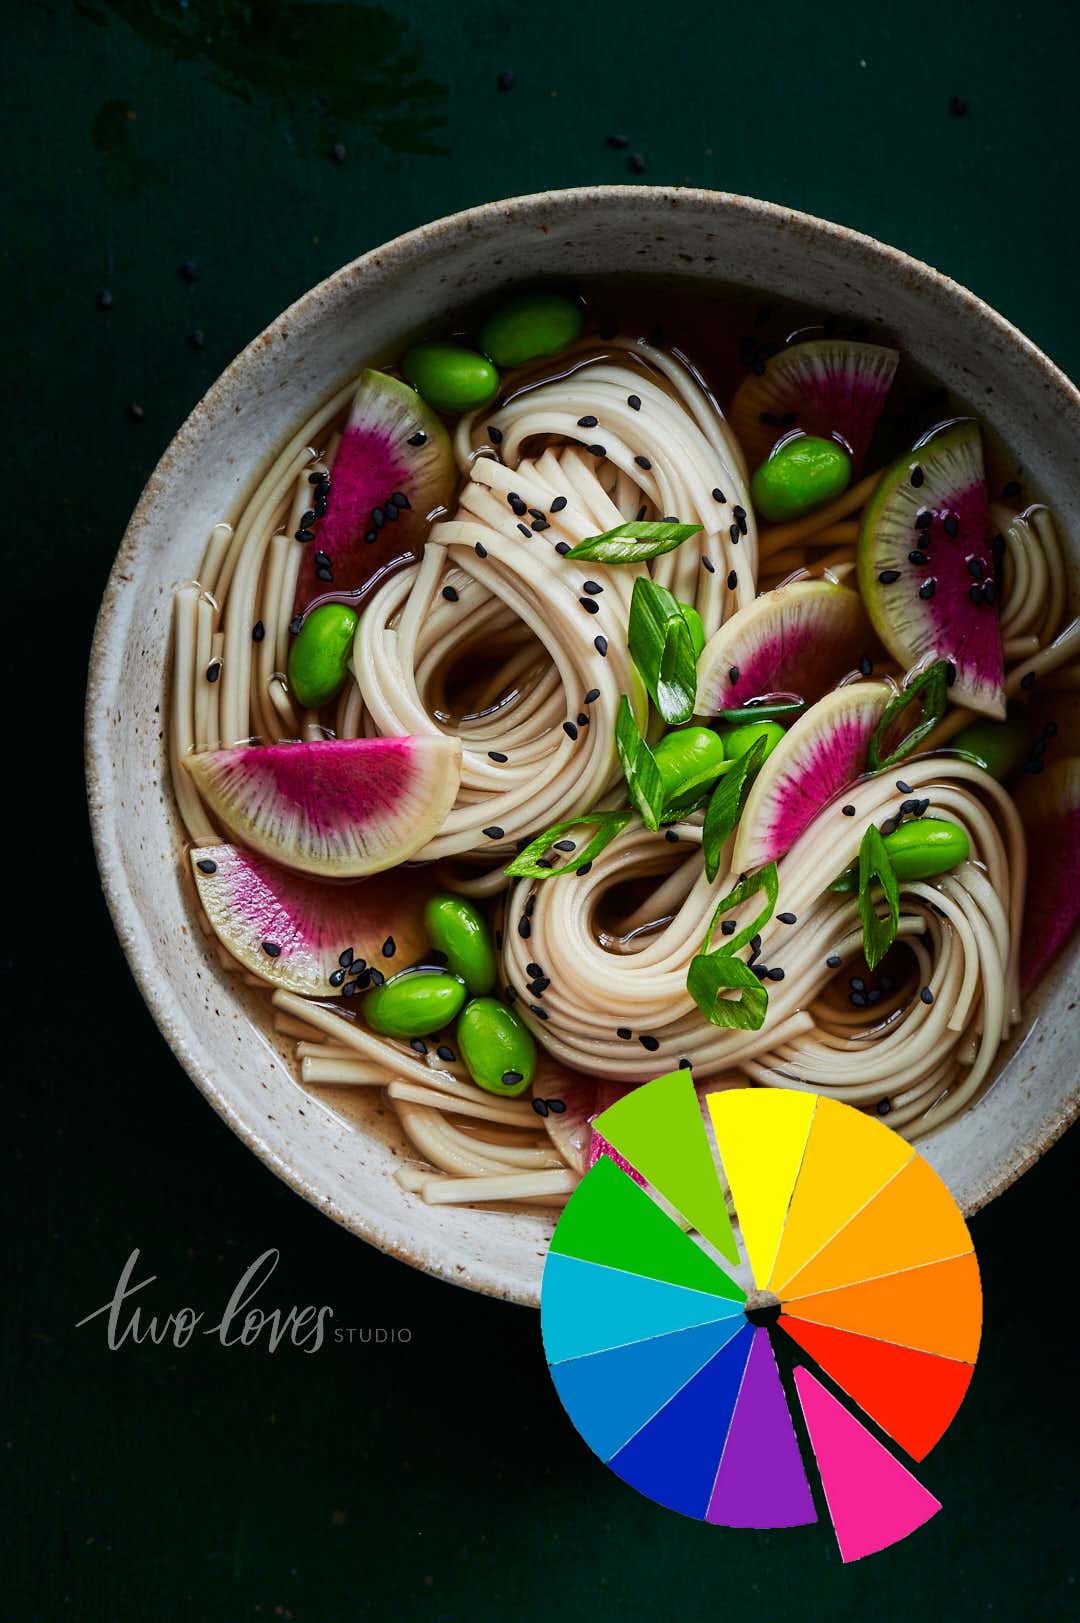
[[415, 1003], [450, 377], [1000, 747], [530, 326], [697, 630], [801, 474], [319, 654], [456, 928], [497, 1047], [688, 759], [921, 849], [926, 847], [740, 739]]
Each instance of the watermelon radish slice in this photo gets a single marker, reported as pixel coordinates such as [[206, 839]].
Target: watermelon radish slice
[[926, 565], [830, 387], [824, 751], [799, 639], [393, 468], [1049, 805], [340, 808], [304, 934]]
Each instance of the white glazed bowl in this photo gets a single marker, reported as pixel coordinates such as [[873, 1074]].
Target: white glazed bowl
[[220, 1031]]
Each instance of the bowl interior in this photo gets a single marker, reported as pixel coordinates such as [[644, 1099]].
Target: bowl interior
[[341, 1153]]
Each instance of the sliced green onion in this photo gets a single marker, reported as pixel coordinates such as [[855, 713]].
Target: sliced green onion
[[639, 767], [632, 543], [764, 880], [527, 863], [931, 687], [663, 651], [711, 973], [782, 710], [874, 863], [725, 807]]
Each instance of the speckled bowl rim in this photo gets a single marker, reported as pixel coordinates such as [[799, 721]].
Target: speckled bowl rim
[[145, 962]]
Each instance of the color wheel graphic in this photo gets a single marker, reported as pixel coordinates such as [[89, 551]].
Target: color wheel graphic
[[861, 1262]]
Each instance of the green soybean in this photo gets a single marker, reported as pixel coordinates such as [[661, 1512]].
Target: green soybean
[[450, 377], [921, 849], [688, 759], [800, 475], [320, 654], [697, 630], [456, 928], [497, 1047], [415, 1003], [1000, 747], [530, 326], [737, 740]]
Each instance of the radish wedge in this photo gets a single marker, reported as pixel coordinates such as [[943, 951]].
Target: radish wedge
[[307, 935], [824, 751], [829, 387], [799, 639], [926, 566], [341, 808], [1049, 804]]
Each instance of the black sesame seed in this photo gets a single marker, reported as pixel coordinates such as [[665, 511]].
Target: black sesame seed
[[587, 422], [927, 589], [833, 961], [740, 519], [524, 929], [205, 865], [889, 826], [389, 947], [371, 536], [495, 435], [1028, 680], [728, 927], [917, 476], [558, 504], [377, 977], [848, 811], [538, 515], [337, 977], [787, 918], [589, 605], [774, 974], [598, 450], [592, 587], [213, 670], [497, 755], [271, 949], [887, 576], [377, 517], [732, 580], [951, 525], [358, 968], [304, 534], [651, 1044], [671, 836], [345, 958], [583, 719], [950, 673], [531, 902], [718, 494], [857, 983], [643, 462], [634, 402], [526, 532], [515, 503], [562, 548], [540, 1106], [295, 623], [624, 1032], [858, 999], [401, 502], [322, 573], [927, 995], [541, 1014], [418, 1045], [556, 1106], [353, 987], [873, 996], [446, 1053], [600, 644], [569, 729], [709, 567], [903, 786], [733, 674], [450, 594], [481, 550], [989, 591], [866, 666], [918, 557], [923, 518], [636, 163], [592, 696], [493, 832], [733, 534], [510, 994], [584, 869], [976, 568]]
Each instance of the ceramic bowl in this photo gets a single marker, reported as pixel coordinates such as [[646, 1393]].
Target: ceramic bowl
[[218, 1029]]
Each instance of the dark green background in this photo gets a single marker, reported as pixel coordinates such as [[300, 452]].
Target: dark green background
[[437, 1480]]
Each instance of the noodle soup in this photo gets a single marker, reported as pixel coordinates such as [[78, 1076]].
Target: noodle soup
[[567, 705]]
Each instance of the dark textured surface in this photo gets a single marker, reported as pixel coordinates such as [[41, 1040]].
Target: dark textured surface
[[436, 1480]]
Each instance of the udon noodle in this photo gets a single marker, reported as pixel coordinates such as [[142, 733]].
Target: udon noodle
[[596, 965]]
